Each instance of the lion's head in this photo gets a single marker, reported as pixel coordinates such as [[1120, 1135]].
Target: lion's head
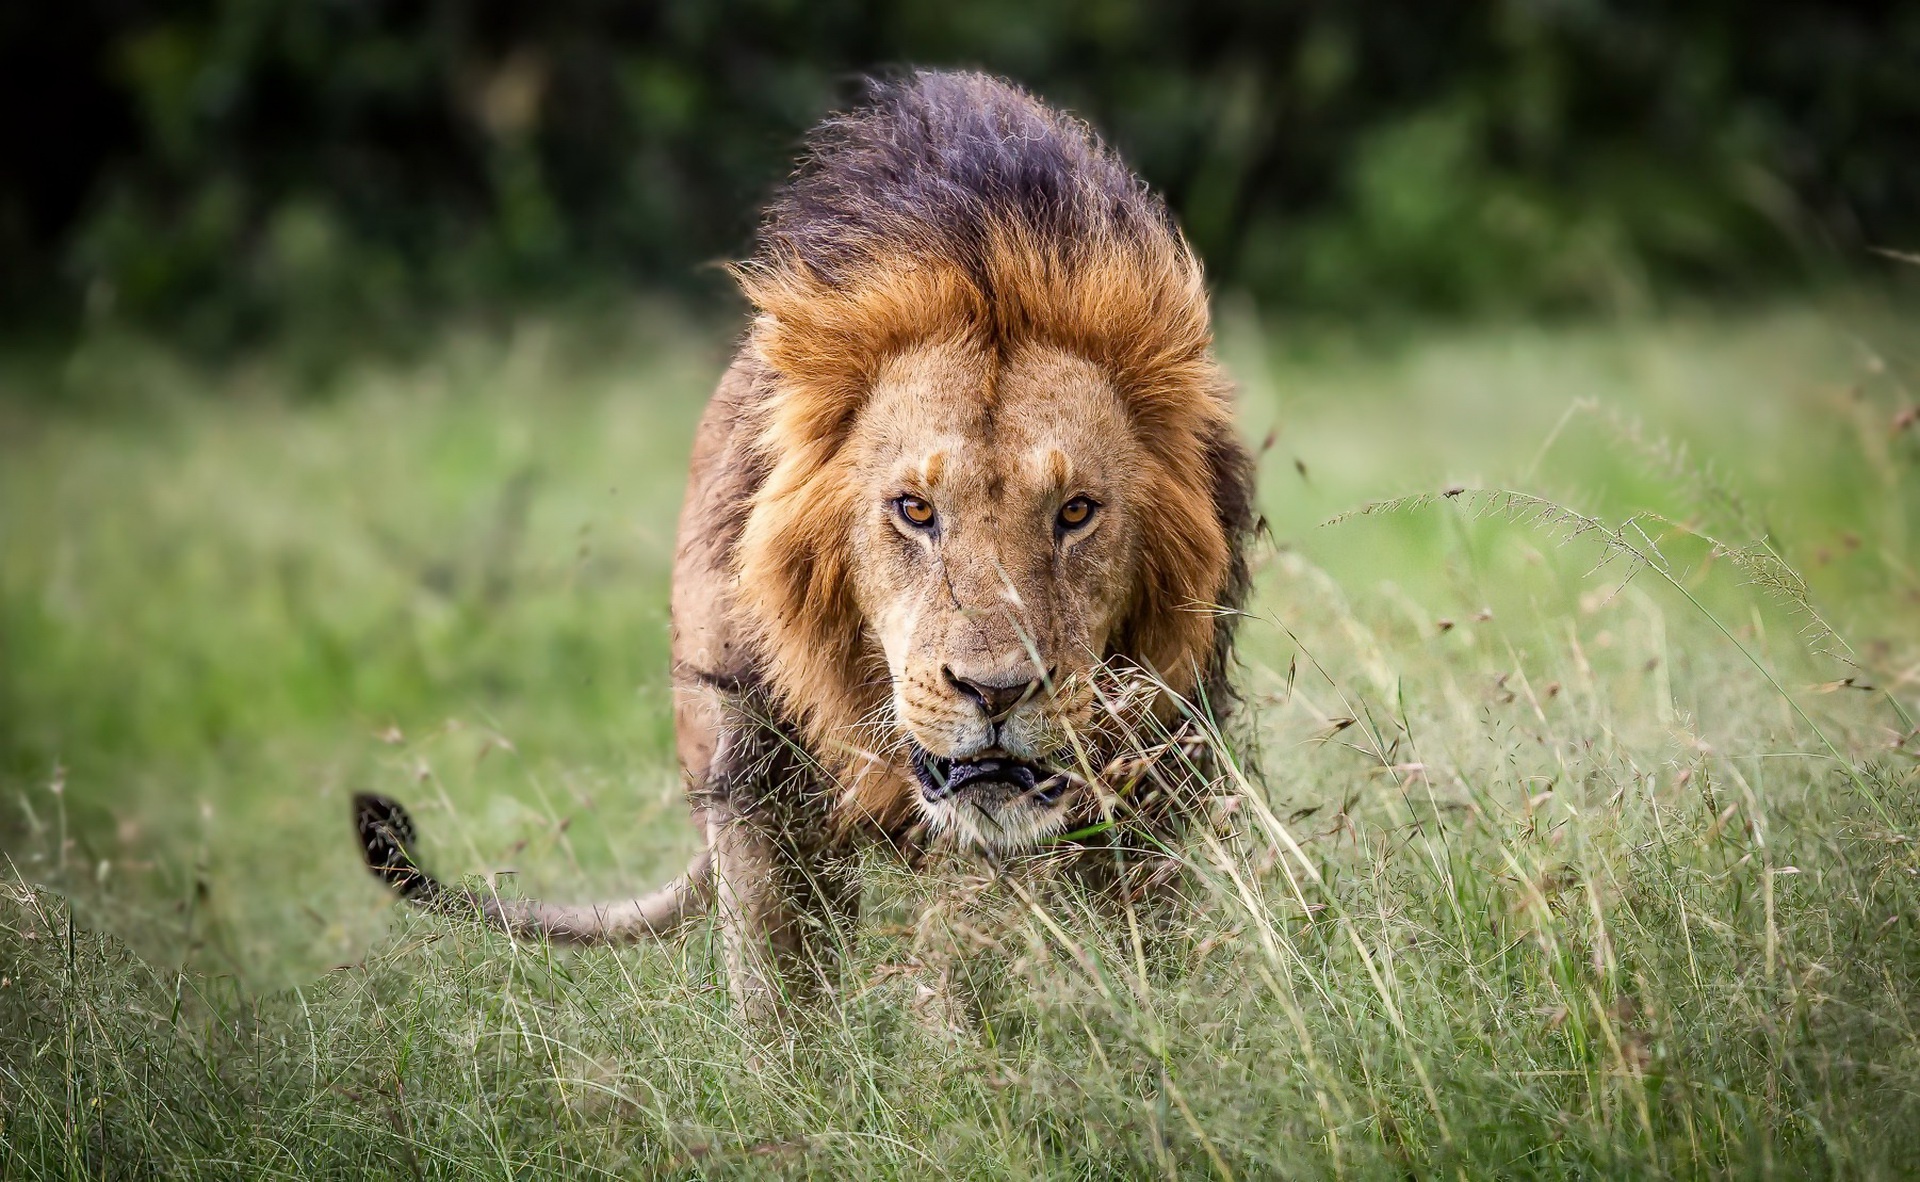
[[1000, 454]]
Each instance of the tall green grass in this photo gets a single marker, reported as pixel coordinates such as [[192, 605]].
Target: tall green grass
[[1563, 846]]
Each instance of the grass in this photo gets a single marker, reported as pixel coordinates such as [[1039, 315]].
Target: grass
[[1547, 870]]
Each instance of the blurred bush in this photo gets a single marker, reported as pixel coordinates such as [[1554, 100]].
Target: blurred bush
[[223, 165]]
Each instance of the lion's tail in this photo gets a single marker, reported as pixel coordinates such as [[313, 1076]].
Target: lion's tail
[[387, 838]]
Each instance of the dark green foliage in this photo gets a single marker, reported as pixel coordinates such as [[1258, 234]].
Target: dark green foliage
[[229, 164]]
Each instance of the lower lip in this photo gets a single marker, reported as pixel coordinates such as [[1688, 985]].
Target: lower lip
[[1046, 792]]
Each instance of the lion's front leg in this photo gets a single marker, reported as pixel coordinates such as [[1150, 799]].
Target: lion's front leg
[[787, 906], [786, 887]]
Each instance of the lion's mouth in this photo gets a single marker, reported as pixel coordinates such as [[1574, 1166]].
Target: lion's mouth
[[988, 781]]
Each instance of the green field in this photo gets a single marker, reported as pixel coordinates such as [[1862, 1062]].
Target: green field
[[1578, 846]]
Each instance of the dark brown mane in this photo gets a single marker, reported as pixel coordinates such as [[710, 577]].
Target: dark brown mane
[[938, 162]]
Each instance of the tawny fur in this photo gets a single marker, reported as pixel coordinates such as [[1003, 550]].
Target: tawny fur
[[955, 254], [1098, 270]]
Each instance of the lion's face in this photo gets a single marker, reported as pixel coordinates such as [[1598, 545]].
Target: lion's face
[[994, 552]]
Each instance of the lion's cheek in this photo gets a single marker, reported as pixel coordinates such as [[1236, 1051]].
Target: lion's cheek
[[897, 626], [1097, 591]]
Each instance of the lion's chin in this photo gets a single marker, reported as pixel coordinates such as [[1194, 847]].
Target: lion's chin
[[1007, 827]]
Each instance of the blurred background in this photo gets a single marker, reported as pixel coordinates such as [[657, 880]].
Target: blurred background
[[218, 169], [350, 353], [350, 356]]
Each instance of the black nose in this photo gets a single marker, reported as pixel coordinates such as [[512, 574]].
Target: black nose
[[996, 696]]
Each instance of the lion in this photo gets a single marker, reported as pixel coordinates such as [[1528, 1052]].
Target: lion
[[967, 516]]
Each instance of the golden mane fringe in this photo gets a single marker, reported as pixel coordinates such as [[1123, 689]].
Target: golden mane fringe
[[1135, 308]]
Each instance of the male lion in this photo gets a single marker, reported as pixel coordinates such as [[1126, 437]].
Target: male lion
[[970, 484]]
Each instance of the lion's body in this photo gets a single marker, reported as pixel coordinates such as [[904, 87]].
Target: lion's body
[[972, 467], [712, 644]]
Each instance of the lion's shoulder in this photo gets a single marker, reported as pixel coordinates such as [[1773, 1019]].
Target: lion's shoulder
[[724, 473]]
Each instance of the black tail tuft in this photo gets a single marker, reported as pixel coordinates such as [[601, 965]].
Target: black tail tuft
[[386, 838]]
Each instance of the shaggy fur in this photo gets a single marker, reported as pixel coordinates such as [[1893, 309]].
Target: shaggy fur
[[950, 238], [955, 207]]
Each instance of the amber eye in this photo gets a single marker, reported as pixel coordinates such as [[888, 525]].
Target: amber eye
[[915, 511], [1076, 513]]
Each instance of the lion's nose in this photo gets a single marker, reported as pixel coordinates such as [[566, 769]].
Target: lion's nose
[[996, 695]]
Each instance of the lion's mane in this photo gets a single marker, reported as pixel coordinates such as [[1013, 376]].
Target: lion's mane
[[954, 207]]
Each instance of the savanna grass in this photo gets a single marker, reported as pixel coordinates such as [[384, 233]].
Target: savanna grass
[[1520, 867]]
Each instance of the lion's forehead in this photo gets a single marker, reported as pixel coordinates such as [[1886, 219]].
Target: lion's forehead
[[945, 422]]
